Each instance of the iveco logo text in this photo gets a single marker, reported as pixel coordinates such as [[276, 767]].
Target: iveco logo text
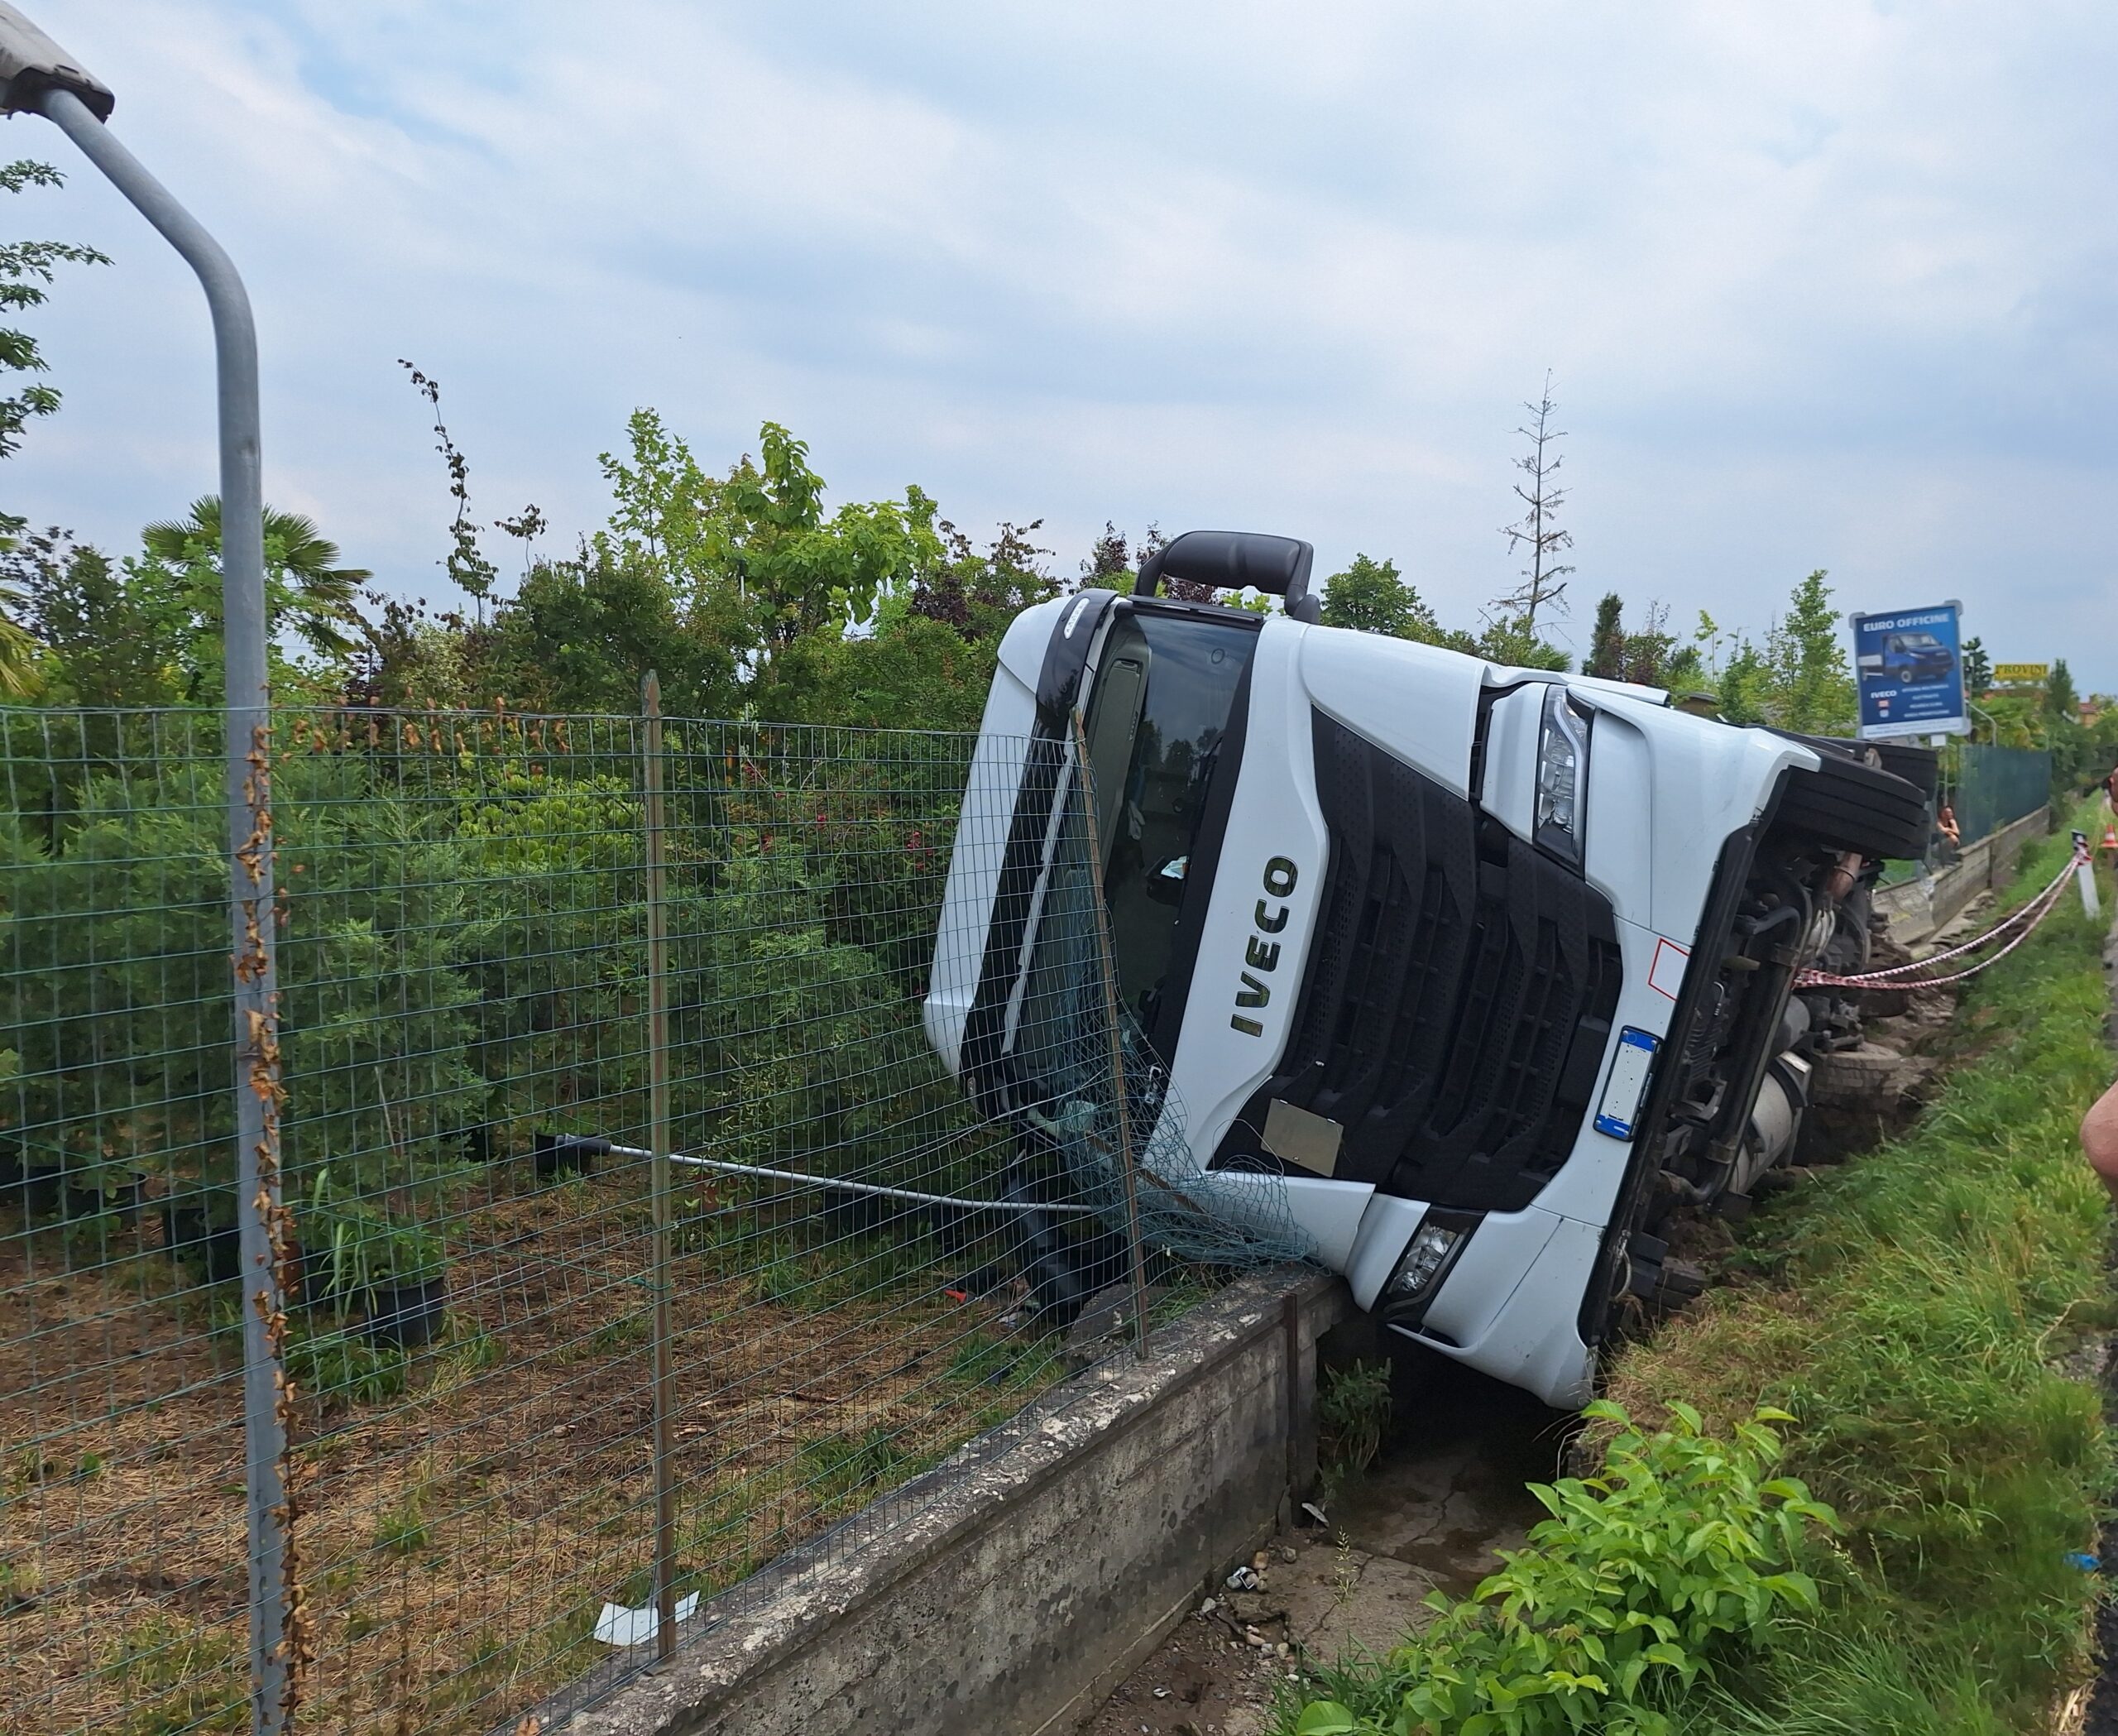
[[1263, 954]]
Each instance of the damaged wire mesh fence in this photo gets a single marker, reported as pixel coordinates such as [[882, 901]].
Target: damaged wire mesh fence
[[579, 1314]]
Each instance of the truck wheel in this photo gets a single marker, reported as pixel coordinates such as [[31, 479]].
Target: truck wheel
[[1921, 767], [1850, 806]]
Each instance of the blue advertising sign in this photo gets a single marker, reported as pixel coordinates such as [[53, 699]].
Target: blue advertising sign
[[1910, 673]]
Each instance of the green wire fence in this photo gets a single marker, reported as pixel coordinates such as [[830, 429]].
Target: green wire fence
[[634, 1233]]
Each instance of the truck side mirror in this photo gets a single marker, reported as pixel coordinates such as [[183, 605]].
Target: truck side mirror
[[1229, 560]]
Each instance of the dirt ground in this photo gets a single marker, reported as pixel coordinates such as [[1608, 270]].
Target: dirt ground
[[456, 1536], [1447, 1493]]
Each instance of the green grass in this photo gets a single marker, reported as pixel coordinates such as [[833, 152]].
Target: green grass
[[177, 1679], [403, 1529], [1352, 1415], [1912, 1309]]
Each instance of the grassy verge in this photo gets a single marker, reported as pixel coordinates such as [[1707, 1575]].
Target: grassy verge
[[1915, 1311]]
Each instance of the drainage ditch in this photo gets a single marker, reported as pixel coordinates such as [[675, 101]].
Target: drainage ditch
[[1446, 1494]]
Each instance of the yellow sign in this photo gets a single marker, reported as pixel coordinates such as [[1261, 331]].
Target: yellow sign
[[2030, 672]]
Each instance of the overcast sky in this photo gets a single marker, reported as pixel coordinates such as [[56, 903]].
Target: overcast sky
[[1818, 284]]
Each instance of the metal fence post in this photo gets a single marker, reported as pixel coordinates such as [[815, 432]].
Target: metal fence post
[[39, 76], [1106, 968], [657, 1141]]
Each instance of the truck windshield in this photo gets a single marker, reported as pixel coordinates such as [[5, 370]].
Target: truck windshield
[[1157, 715]]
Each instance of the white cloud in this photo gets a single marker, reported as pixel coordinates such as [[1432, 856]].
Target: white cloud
[[1821, 284]]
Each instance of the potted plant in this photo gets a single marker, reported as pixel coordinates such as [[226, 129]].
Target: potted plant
[[395, 1269], [408, 1288], [559, 1154], [199, 1230]]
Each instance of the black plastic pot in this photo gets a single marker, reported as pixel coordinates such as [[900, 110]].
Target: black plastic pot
[[188, 1235], [30, 1190], [125, 1201], [35, 1193], [558, 1154], [406, 1316]]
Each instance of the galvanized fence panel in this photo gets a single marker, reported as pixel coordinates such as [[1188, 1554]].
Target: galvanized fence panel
[[1990, 786], [491, 1491]]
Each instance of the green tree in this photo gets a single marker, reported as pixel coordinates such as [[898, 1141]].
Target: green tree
[[122, 1029], [1809, 685], [2075, 761], [754, 557], [911, 670], [667, 507], [1685, 672], [1798, 680], [2061, 701], [1511, 640], [307, 590], [1744, 686], [1648, 654], [1108, 566], [578, 636], [1607, 639], [146, 629], [307, 593], [802, 572], [27, 269], [1371, 595], [1977, 668], [114, 633]]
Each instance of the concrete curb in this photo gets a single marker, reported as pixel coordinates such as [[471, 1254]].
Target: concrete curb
[[1007, 1590]]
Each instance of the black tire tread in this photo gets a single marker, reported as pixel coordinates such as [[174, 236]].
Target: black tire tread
[[1851, 806]]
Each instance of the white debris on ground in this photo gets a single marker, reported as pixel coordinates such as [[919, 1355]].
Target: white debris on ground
[[617, 1625]]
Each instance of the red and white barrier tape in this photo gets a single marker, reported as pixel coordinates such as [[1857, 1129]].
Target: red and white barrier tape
[[1897, 976]]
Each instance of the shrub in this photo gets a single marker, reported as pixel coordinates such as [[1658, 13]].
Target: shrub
[[1642, 1580]]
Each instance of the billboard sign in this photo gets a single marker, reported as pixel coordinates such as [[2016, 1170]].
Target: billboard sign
[[2032, 674], [1910, 671]]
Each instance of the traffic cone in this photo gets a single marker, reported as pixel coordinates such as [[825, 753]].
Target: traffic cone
[[2109, 838]]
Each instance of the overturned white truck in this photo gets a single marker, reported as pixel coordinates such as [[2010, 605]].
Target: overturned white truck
[[1487, 969]]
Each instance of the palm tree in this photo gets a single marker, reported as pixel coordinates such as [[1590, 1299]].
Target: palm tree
[[18, 648], [304, 580]]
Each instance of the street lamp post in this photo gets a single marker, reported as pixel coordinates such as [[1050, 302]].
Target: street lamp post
[[38, 77]]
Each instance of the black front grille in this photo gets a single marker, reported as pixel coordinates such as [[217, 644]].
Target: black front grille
[[1456, 1006]]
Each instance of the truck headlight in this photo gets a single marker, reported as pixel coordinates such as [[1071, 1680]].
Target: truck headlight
[[1562, 775], [1423, 1261], [1424, 1266]]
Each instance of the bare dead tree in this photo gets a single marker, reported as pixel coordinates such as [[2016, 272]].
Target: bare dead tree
[[1537, 531]]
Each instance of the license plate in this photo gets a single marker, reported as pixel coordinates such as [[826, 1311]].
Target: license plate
[[1627, 1083]]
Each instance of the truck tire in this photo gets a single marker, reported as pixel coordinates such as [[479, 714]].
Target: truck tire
[[1850, 806], [1921, 767]]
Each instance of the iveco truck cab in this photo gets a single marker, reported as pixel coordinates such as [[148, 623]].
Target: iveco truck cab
[[1483, 971]]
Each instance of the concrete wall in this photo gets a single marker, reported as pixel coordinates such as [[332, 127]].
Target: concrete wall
[[1917, 908], [1009, 1589]]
